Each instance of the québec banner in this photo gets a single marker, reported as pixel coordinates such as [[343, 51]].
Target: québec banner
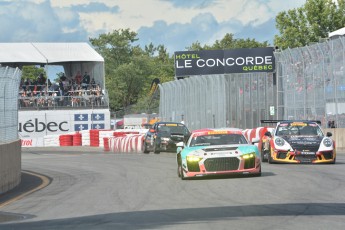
[[205, 62]]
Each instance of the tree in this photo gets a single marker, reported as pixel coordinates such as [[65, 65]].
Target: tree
[[129, 70], [229, 42], [32, 72], [309, 23]]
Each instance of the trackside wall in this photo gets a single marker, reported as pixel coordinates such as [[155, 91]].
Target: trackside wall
[[10, 144], [10, 165]]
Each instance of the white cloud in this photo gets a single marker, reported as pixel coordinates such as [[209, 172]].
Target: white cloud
[[157, 21], [134, 14]]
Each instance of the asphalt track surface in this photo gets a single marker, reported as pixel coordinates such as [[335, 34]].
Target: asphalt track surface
[[86, 188]]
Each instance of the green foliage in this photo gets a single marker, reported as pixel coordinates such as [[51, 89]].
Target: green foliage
[[129, 70], [32, 72], [229, 42], [309, 23]]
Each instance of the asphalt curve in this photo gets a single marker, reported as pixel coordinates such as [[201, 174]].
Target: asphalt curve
[[92, 189]]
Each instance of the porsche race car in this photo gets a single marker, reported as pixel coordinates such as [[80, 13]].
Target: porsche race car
[[217, 152], [300, 142]]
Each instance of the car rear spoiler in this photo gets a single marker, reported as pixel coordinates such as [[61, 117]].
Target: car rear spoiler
[[276, 121]]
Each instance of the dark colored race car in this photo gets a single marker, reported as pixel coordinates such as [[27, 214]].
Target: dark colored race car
[[300, 142], [163, 136]]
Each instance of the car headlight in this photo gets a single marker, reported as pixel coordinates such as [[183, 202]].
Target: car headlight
[[194, 158], [327, 142], [248, 156], [279, 141]]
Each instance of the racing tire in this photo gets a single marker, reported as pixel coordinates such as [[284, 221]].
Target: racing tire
[[145, 148], [269, 158], [263, 158], [181, 173], [178, 166], [156, 148], [258, 174]]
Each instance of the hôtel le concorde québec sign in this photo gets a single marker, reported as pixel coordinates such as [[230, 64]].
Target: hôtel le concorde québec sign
[[205, 62]]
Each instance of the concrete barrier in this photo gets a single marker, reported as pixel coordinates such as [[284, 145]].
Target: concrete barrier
[[10, 165]]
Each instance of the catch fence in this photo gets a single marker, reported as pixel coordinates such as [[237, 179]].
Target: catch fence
[[9, 87], [309, 83], [312, 83]]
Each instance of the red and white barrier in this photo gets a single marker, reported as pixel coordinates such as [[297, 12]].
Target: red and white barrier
[[256, 133], [130, 143], [104, 134], [51, 140], [122, 140], [66, 140], [77, 139], [85, 137]]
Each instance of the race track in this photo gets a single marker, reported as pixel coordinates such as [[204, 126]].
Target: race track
[[91, 189]]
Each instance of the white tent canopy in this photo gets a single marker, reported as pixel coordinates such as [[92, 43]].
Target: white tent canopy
[[73, 57], [337, 33]]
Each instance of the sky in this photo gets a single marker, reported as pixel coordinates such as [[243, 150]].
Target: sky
[[176, 24]]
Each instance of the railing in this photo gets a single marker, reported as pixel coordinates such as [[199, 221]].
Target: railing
[[62, 99]]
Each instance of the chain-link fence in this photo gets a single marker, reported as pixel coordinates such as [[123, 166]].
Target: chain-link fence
[[231, 100], [309, 83], [312, 82], [9, 89]]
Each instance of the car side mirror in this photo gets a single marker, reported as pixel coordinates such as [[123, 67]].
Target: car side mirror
[[328, 134], [180, 146]]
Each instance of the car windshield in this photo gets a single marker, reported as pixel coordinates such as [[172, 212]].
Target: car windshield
[[218, 139], [298, 129], [173, 128]]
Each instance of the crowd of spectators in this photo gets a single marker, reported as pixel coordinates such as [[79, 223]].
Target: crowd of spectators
[[74, 91]]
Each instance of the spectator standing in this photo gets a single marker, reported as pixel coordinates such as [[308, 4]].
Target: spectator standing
[[93, 83], [78, 78], [86, 80]]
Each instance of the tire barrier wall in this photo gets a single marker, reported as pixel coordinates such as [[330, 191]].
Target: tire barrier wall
[[256, 133], [10, 165], [130, 143], [121, 140]]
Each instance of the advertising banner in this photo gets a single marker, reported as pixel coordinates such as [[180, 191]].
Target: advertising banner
[[33, 126], [205, 62]]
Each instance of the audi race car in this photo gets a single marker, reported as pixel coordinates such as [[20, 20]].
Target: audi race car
[[217, 152], [300, 142]]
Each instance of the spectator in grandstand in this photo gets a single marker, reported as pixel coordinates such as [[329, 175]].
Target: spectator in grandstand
[[41, 81], [93, 83], [86, 81], [78, 78], [25, 101], [63, 77], [98, 95], [27, 84], [49, 83], [61, 88]]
